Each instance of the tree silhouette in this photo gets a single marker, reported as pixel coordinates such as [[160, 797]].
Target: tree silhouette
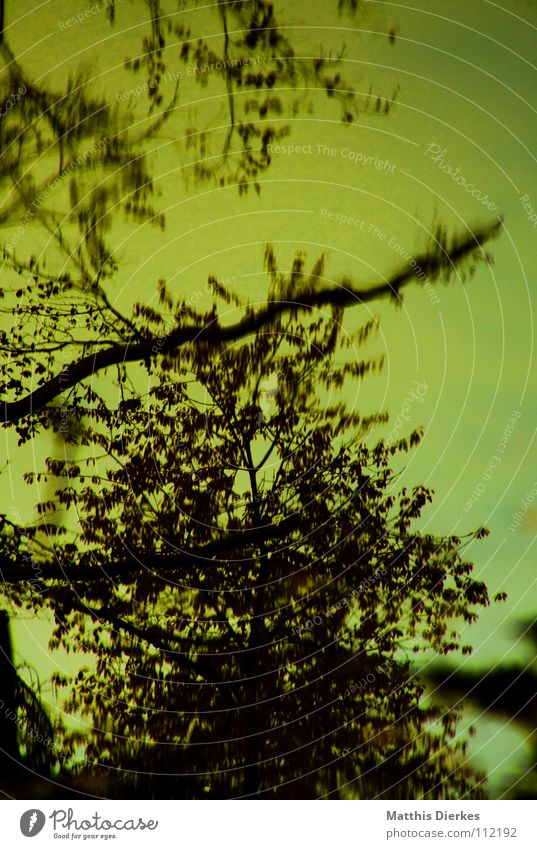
[[260, 646], [245, 578]]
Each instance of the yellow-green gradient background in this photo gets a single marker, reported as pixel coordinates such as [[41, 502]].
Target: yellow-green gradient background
[[468, 80]]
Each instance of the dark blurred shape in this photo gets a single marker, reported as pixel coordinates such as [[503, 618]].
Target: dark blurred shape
[[504, 691], [8, 729], [22, 721]]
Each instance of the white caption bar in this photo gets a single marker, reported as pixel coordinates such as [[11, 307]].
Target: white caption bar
[[268, 825]]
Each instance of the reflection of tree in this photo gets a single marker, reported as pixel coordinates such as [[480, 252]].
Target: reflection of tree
[[505, 691], [73, 167], [29, 758]]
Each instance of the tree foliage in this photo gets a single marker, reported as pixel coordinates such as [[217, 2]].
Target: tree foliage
[[278, 666], [245, 580]]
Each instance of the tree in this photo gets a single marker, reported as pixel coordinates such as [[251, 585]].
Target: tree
[[268, 655], [188, 575]]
